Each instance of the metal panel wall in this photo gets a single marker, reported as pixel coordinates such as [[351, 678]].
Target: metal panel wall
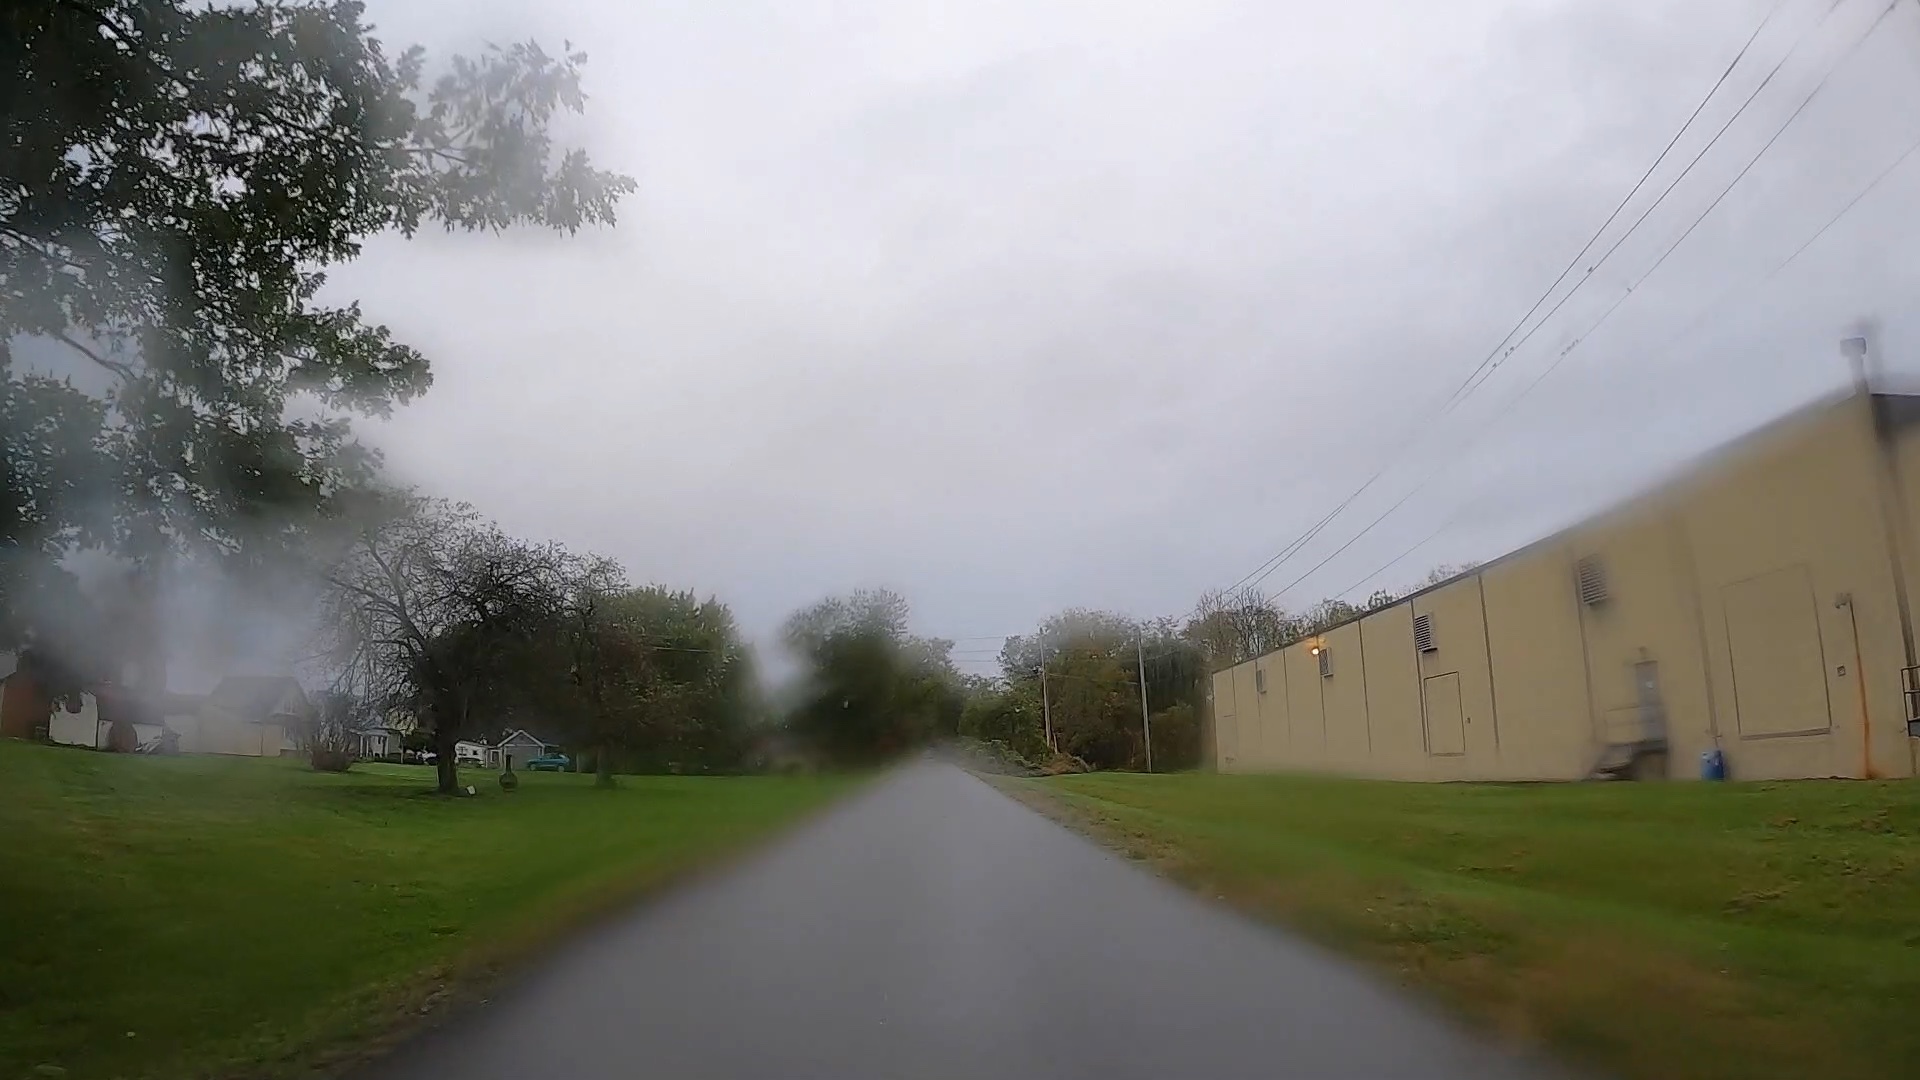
[[1306, 724], [1808, 496], [1460, 638], [1343, 702], [1393, 695], [1539, 668]]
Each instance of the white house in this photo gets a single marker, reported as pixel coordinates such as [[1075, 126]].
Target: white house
[[376, 741]]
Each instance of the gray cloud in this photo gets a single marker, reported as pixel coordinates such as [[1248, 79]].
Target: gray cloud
[[1014, 306]]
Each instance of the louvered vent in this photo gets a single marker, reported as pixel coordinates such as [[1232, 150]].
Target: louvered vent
[[1592, 578], [1260, 679], [1423, 633], [1326, 662]]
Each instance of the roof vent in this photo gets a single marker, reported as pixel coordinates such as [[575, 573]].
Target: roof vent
[[1592, 579], [1423, 633]]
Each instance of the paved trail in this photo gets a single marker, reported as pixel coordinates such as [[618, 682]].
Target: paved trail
[[931, 928]]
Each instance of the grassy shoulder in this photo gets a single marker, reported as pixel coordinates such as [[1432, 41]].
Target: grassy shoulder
[[1685, 931], [173, 917]]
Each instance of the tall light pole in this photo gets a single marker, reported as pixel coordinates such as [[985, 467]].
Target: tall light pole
[[1146, 725]]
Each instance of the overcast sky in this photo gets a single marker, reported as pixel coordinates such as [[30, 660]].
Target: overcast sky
[[1019, 305]]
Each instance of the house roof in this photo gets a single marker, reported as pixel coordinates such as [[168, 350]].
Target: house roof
[[253, 696], [526, 736]]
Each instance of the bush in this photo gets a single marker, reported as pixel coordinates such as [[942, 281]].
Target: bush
[[1062, 764], [993, 756], [331, 760]]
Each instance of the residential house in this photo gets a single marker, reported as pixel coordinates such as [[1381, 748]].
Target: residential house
[[383, 737], [518, 748], [246, 715], [515, 749], [23, 701]]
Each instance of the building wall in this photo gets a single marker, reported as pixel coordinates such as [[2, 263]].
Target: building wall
[[1248, 718], [1777, 541], [215, 731], [1456, 684], [1903, 482], [81, 728], [1263, 700], [1395, 719], [1343, 701], [1306, 722], [1226, 723], [1750, 605], [519, 752], [1645, 633], [1538, 653]]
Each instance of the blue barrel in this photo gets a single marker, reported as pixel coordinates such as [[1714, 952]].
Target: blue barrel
[[1713, 765]]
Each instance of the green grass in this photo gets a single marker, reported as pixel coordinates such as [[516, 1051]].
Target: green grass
[[1683, 931], [174, 917]]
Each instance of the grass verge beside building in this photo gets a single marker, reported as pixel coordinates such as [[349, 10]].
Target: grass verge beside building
[[1678, 931], [191, 916]]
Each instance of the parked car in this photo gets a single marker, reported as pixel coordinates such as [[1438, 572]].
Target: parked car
[[549, 763]]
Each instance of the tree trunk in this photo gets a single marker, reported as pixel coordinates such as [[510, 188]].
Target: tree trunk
[[443, 740], [602, 768]]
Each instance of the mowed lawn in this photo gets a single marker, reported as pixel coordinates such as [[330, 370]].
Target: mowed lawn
[[174, 917], [1677, 931]]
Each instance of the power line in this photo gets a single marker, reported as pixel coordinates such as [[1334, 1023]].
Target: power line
[[1398, 559], [1668, 190], [1280, 558], [1564, 353], [1809, 242], [1724, 192], [1622, 205]]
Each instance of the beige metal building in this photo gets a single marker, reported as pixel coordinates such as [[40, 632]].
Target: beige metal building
[[1757, 604]]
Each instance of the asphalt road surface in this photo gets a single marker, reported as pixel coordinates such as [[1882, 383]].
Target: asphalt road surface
[[932, 927]]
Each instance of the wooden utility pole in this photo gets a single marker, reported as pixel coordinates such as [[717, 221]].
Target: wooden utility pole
[[1046, 703], [1146, 725]]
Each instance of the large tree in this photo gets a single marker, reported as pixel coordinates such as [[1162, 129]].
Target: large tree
[[430, 609], [659, 677], [1235, 627], [175, 178], [870, 689]]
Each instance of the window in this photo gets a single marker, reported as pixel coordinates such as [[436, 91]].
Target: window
[[1592, 580], [1423, 633], [1260, 679], [1326, 661]]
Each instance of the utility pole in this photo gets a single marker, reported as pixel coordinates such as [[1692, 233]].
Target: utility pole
[[1146, 725], [1046, 703]]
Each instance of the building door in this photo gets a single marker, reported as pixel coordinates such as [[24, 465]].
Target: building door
[[1226, 737], [1446, 722], [1653, 712]]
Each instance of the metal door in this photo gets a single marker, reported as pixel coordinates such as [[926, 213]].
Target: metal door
[[1446, 722]]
